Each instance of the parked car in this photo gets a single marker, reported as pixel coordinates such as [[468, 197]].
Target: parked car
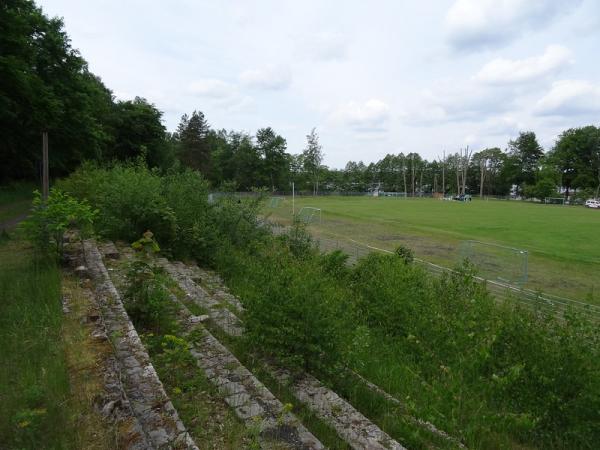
[[592, 203]]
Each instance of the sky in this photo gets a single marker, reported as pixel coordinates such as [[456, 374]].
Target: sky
[[373, 77]]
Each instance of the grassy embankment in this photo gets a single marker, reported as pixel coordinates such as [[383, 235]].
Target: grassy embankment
[[561, 241], [48, 376], [15, 201]]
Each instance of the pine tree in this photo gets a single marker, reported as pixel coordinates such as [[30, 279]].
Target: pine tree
[[194, 149]]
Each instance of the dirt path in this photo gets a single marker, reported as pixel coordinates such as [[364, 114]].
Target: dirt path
[[9, 224]]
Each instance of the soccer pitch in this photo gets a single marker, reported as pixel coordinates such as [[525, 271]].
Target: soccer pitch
[[563, 243]]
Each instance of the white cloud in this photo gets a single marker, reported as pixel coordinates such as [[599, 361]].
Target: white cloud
[[570, 97], [490, 23], [369, 116], [454, 102], [268, 78], [211, 88], [220, 94], [325, 46], [508, 71]]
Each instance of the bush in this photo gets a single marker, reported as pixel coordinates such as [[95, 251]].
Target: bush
[[293, 312], [390, 293], [186, 193], [46, 226]]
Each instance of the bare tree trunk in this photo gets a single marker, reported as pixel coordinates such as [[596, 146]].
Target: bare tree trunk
[[412, 171], [458, 172], [404, 176], [466, 160], [444, 175], [421, 184], [482, 165]]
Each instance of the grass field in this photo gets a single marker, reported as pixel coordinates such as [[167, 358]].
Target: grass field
[[562, 242]]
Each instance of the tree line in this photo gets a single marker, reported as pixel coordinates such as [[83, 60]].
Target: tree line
[[45, 85]]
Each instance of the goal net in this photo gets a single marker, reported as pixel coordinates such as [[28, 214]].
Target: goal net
[[308, 214], [392, 194], [496, 262], [554, 201], [275, 202]]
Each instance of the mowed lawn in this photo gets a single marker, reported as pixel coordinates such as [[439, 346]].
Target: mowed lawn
[[563, 242]]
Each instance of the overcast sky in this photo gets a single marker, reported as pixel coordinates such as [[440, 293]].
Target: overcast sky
[[374, 77]]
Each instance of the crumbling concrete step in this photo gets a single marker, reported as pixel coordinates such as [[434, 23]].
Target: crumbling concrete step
[[152, 408], [250, 399], [352, 426], [223, 317]]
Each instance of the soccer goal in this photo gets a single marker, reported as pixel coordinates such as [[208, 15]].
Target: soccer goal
[[393, 194], [308, 214], [554, 200], [275, 202], [496, 262]]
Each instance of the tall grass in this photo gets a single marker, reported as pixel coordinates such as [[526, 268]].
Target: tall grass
[[34, 381], [15, 200]]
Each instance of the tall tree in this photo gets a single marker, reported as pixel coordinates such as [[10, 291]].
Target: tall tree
[[525, 153], [194, 149], [313, 158], [576, 157], [137, 128], [45, 85], [271, 147]]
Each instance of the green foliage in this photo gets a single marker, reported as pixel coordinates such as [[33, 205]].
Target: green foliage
[[405, 253], [129, 198], [147, 299], [34, 377], [298, 240], [48, 222], [335, 264], [186, 193], [192, 142], [542, 189], [146, 244], [293, 312], [385, 289]]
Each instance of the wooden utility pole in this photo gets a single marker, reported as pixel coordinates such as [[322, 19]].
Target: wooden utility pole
[[45, 178]]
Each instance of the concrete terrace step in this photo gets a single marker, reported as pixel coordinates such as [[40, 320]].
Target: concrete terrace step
[[352, 426], [251, 401], [158, 420]]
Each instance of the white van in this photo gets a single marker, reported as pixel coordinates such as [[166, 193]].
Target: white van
[[592, 203]]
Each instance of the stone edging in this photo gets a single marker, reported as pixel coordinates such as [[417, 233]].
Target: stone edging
[[151, 406]]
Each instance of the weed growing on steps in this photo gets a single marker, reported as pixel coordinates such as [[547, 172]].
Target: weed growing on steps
[[49, 221]]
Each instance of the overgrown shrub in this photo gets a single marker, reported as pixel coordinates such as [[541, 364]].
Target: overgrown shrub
[[186, 193], [129, 198], [298, 240], [46, 226], [147, 299], [293, 312], [390, 293]]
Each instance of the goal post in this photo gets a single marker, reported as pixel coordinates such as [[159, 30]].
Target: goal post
[[392, 194], [554, 201], [275, 202], [309, 214], [495, 262]]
